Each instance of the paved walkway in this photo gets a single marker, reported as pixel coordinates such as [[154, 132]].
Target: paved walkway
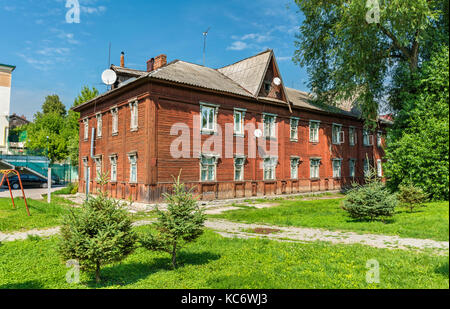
[[31, 193], [292, 234]]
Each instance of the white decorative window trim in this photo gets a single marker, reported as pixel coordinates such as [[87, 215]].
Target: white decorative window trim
[[134, 111], [115, 120], [316, 137], [338, 139], [86, 129], [215, 107], [99, 118], [273, 125], [242, 112], [294, 122]]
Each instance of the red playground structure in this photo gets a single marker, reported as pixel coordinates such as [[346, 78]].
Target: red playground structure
[[6, 174]]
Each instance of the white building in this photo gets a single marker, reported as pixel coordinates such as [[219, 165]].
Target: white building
[[5, 100]]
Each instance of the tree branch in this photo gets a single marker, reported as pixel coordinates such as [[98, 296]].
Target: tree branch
[[396, 43]]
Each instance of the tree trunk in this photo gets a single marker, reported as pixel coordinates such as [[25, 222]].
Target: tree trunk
[[174, 256], [97, 273]]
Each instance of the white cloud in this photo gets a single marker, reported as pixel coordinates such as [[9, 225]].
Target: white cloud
[[238, 45]]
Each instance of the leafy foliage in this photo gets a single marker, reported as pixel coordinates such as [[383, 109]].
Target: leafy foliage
[[53, 104], [350, 59], [411, 196], [182, 222], [418, 143], [101, 233], [370, 201]]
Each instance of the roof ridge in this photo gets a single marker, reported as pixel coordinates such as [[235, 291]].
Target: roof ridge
[[259, 54]]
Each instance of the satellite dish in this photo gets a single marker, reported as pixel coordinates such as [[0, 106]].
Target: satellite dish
[[258, 133], [109, 77], [277, 81]]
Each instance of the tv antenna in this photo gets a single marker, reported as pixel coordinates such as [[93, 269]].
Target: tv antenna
[[205, 35]]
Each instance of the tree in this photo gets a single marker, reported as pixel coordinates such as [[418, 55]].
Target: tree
[[97, 235], [182, 223], [418, 143], [349, 58], [85, 95], [53, 104]]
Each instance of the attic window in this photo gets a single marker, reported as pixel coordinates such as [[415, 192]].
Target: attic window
[[267, 86]]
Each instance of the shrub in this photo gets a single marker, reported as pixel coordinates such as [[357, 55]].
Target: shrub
[[370, 201], [74, 189], [99, 234], [411, 196], [182, 223]]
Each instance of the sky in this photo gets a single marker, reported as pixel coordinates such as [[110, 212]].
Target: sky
[[56, 57]]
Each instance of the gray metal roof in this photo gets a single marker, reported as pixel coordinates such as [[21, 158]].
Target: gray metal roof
[[128, 71], [249, 72]]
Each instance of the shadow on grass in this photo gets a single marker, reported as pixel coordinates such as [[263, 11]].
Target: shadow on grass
[[129, 273], [382, 220], [28, 285], [443, 270]]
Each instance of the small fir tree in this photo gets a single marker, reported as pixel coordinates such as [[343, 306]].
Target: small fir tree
[[411, 196], [183, 222]]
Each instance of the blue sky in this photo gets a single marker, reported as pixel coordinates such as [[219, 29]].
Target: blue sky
[[55, 57]]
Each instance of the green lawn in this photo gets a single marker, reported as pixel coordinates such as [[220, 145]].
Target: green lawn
[[43, 215], [428, 222], [216, 262]]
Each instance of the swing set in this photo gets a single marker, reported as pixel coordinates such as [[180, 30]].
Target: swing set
[[6, 174]]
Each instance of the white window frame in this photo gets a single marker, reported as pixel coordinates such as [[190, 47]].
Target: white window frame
[[337, 174], [134, 112], [239, 167], [211, 125], [115, 121], [270, 131], [113, 167], [366, 167], [239, 131], [294, 129], [352, 168], [206, 167], [270, 165], [98, 167], [86, 129], [352, 136], [314, 131], [379, 139], [133, 160], [379, 168], [99, 125], [295, 162], [367, 138], [312, 171], [338, 134], [85, 168]]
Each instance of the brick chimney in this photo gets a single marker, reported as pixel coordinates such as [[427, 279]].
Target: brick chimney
[[122, 59], [160, 61], [150, 65]]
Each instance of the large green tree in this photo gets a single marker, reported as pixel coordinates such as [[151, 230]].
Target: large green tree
[[350, 53], [53, 104], [418, 142]]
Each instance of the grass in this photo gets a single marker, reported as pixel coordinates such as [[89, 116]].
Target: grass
[[43, 215], [430, 222], [214, 262]]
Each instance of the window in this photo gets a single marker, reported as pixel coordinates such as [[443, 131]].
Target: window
[[269, 121], [267, 86], [132, 157], [115, 120], [208, 167], [86, 129], [314, 168], [366, 168], [367, 138], [239, 162], [99, 125], [314, 131], [294, 167], [352, 136], [134, 115], [352, 168], [86, 169], [239, 115], [294, 129], [270, 165], [380, 139], [113, 160], [338, 134], [208, 115], [98, 167], [337, 168], [379, 169]]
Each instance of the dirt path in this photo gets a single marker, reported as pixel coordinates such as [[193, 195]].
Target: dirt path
[[293, 234]]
